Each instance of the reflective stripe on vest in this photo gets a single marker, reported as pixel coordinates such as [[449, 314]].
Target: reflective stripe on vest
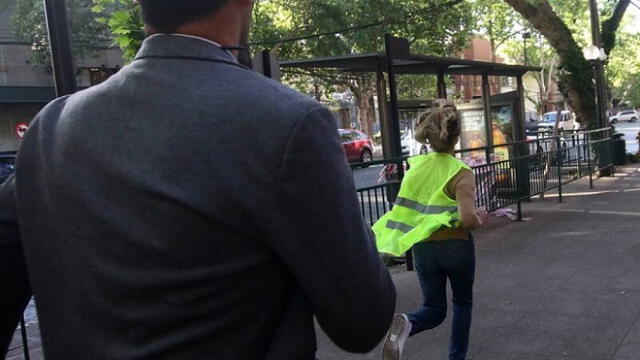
[[424, 209], [396, 225]]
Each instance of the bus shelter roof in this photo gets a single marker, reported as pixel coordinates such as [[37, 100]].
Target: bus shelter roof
[[411, 64]]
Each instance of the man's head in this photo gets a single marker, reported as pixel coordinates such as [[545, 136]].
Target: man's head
[[226, 20], [166, 16]]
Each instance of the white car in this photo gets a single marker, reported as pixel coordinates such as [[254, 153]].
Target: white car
[[567, 122], [410, 147], [627, 115]]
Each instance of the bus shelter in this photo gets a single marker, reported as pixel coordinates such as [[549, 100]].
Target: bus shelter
[[478, 118]]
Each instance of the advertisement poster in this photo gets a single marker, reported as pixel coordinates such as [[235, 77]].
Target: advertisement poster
[[473, 131], [502, 130]]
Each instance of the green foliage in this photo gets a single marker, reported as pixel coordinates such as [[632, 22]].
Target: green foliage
[[575, 15], [124, 22], [623, 70], [28, 22], [498, 21], [431, 27], [427, 24]]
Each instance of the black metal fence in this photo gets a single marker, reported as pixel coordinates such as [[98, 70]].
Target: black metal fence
[[528, 168], [532, 167], [6, 165]]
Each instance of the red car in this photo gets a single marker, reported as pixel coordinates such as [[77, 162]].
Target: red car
[[357, 146]]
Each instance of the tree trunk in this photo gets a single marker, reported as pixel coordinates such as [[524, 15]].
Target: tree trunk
[[345, 118], [610, 26], [492, 41], [363, 89], [576, 80], [366, 110]]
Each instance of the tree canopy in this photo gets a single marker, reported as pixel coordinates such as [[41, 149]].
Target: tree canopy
[[562, 23], [28, 22], [434, 27], [560, 29]]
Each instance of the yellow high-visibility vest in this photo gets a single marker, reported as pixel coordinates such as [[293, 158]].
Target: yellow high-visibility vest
[[422, 206]]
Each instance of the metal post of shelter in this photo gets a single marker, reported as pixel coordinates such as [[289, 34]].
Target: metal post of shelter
[[599, 67], [486, 100], [394, 125], [394, 133], [61, 58], [383, 111], [522, 171]]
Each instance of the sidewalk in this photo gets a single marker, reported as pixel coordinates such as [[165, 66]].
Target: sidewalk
[[564, 284]]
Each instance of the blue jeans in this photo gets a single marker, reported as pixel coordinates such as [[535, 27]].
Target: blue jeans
[[435, 262]]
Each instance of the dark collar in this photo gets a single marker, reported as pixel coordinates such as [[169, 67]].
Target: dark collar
[[168, 46]]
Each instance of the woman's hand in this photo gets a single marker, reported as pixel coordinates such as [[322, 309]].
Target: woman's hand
[[470, 217], [483, 217]]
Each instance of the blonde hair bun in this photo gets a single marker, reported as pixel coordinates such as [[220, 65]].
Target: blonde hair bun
[[439, 125]]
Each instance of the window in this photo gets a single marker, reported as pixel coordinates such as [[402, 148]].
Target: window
[[346, 137], [360, 136]]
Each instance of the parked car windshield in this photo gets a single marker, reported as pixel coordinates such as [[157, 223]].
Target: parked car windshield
[[550, 117]]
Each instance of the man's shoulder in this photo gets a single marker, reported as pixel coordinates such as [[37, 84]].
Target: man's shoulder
[[265, 94]]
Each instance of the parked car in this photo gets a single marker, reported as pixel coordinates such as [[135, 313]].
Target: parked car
[[531, 129], [357, 146], [6, 166], [626, 115], [567, 121], [410, 147]]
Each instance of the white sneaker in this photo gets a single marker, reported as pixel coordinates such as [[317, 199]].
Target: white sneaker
[[396, 337]]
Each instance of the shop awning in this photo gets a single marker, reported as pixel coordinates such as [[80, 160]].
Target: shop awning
[[26, 94]]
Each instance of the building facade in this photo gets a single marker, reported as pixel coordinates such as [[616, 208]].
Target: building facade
[[25, 88]]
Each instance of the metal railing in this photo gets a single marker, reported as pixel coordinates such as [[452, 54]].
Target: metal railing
[[532, 167]]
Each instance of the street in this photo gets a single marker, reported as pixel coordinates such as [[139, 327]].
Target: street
[[630, 131], [563, 284], [367, 176]]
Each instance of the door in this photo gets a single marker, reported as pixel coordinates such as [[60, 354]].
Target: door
[[349, 144]]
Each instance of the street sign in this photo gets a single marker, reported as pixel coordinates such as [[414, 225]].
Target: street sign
[[21, 129]]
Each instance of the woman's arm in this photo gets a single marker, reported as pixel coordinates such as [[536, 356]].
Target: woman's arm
[[465, 188]]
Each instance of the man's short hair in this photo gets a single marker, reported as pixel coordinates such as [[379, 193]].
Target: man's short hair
[[166, 16]]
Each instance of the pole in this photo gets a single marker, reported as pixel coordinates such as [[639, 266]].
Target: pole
[[598, 66], [61, 58], [589, 152], [601, 96], [394, 133], [383, 112], [525, 36], [25, 341], [522, 149], [559, 154], [486, 98], [396, 147]]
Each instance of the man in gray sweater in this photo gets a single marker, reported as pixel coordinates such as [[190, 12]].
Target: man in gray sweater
[[188, 208]]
